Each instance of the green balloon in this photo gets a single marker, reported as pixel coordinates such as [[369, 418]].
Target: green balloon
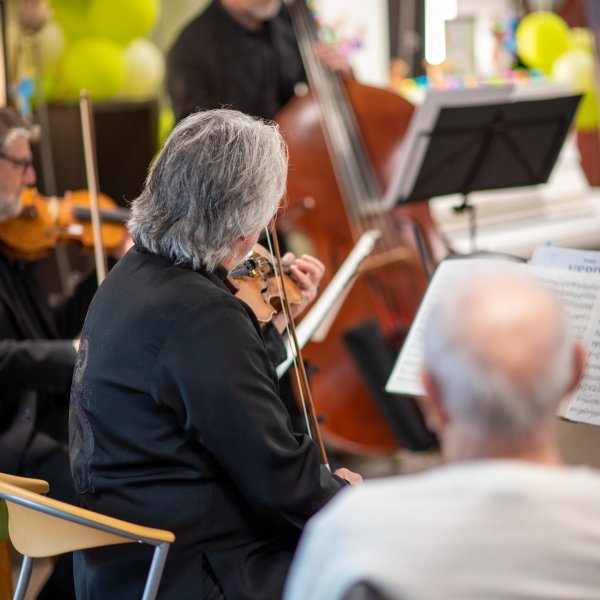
[[541, 38], [123, 20], [166, 122], [586, 118], [93, 64], [73, 17], [47, 90]]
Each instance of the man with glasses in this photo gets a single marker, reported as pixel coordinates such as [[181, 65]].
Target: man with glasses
[[37, 349]]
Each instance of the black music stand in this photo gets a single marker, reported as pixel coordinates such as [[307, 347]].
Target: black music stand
[[488, 146]]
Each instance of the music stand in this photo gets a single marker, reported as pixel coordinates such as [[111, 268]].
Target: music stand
[[489, 146]]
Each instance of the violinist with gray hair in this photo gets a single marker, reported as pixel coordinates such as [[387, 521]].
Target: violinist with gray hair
[[176, 421]]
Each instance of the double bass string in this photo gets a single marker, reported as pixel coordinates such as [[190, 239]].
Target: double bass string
[[354, 173]]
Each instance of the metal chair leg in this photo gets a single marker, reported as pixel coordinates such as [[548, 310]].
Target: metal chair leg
[[24, 577], [156, 569]]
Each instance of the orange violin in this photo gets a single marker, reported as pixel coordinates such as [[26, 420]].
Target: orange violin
[[46, 222]]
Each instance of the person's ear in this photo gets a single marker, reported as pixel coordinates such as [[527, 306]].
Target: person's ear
[[431, 404], [578, 360]]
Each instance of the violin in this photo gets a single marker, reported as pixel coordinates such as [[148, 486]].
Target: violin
[[46, 222], [256, 282]]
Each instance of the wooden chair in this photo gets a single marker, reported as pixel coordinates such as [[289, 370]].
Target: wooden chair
[[33, 485], [39, 526]]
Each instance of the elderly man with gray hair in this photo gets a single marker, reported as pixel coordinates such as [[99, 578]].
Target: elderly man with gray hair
[[504, 518], [175, 418]]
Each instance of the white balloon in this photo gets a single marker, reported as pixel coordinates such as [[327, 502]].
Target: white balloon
[[575, 68], [145, 70], [52, 46]]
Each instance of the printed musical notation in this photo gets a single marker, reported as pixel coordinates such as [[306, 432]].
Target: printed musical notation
[[575, 278], [581, 301]]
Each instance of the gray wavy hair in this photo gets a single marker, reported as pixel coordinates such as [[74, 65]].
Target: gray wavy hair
[[11, 127], [478, 393], [220, 175]]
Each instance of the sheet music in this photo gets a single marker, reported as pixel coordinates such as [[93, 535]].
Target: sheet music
[[584, 404], [406, 374], [580, 261], [580, 293]]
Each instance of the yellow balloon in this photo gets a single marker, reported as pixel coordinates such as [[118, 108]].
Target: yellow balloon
[[123, 20], [586, 118], [93, 64], [582, 39], [541, 38], [73, 17]]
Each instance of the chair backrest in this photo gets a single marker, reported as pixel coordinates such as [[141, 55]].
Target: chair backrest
[[39, 486], [33, 485], [39, 526]]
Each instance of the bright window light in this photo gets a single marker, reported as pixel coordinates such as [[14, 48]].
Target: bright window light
[[437, 12]]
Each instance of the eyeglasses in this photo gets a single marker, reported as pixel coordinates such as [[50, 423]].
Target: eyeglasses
[[24, 163]]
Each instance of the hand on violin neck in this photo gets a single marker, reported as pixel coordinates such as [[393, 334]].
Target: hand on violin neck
[[307, 272], [331, 55]]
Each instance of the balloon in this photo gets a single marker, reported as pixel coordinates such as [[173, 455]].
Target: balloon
[[52, 43], [145, 65], [93, 64], [13, 35], [582, 39], [575, 68], [586, 118], [123, 20], [166, 122], [48, 87], [541, 38], [73, 17]]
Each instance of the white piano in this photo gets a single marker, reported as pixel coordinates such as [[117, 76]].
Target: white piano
[[565, 211]]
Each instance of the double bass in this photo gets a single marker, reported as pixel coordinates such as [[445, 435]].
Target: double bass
[[344, 139]]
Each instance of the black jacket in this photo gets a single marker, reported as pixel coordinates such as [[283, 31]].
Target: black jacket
[[176, 423], [36, 355], [216, 63]]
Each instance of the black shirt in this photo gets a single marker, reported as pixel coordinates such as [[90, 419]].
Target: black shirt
[[36, 355], [216, 63], [176, 423]]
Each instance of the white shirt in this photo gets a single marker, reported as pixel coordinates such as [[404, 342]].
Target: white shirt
[[469, 531]]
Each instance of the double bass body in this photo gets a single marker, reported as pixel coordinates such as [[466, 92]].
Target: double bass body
[[388, 294]]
